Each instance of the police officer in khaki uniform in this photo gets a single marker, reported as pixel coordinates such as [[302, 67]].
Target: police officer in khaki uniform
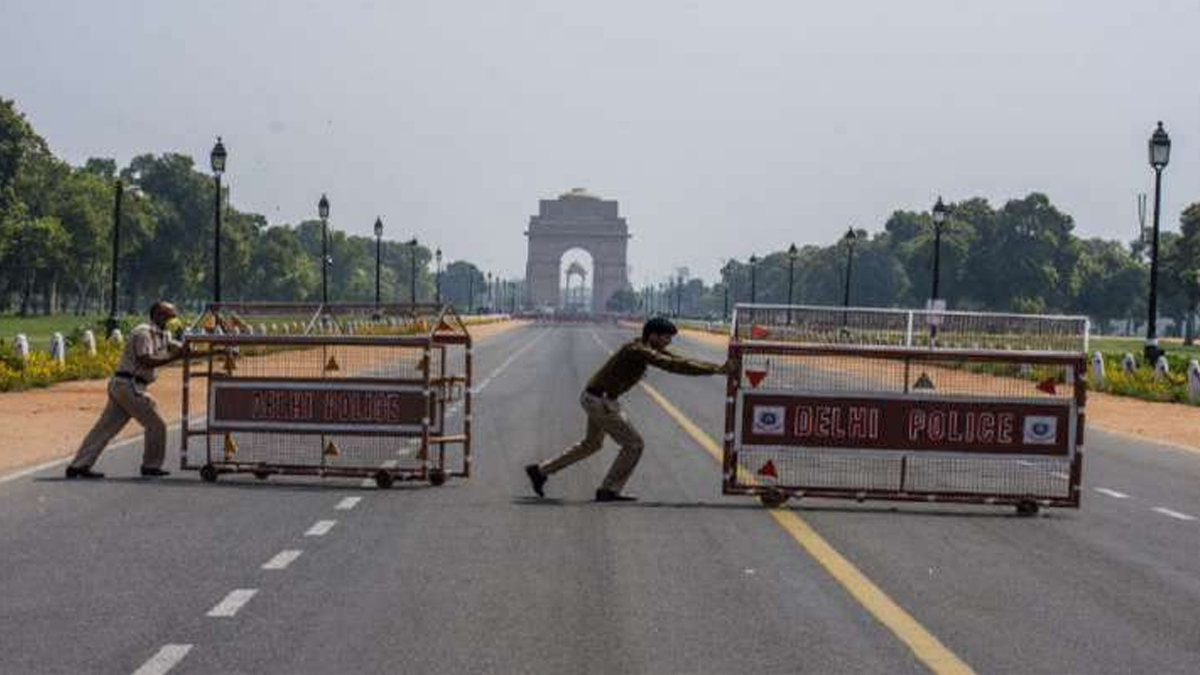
[[149, 346], [618, 375]]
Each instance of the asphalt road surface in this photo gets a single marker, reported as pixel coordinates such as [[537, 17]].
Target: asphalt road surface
[[297, 576]]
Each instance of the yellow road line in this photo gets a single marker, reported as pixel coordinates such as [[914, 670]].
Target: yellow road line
[[927, 648]]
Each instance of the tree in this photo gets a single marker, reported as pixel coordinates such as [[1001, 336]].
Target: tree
[[623, 301]]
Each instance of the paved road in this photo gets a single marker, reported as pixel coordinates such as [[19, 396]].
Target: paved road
[[121, 575]]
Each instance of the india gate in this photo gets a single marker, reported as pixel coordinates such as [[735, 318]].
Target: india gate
[[577, 219]]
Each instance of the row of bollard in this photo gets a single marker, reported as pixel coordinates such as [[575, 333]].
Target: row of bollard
[[1162, 368], [58, 345]]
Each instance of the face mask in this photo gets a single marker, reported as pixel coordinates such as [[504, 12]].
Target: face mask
[[174, 326]]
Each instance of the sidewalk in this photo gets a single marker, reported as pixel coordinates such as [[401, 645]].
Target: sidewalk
[[40, 425]]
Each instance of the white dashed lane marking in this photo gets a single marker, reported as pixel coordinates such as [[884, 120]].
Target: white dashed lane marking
[[348, 503], [320, 528], [232, 603], [164, 660], [1111, 493], [1173, 514], [282, 559]]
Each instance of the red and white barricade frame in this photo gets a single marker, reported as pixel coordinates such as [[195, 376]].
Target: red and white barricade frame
[[929, 406], [378, 391]]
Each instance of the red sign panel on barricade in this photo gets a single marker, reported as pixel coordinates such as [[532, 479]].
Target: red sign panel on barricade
[[317, 406], [907, 424]]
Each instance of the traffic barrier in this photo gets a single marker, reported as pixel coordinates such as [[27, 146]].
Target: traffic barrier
[[386, 403], [905, 405]]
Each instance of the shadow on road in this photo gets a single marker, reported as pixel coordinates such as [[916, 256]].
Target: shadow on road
[[248, 483], [802, 509]]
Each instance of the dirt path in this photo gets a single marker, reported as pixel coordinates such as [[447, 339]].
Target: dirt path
[[1167, 423], [41, 425]]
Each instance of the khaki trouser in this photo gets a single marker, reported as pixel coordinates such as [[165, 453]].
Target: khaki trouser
[[126, 399], [604, 416]]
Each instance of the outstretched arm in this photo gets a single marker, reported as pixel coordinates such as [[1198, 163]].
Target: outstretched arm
[[681, 365]]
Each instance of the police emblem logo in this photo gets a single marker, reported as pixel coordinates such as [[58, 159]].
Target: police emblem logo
[[1041, 430], [768, 420]]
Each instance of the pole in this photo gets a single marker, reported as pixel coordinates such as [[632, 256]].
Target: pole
[[725, 310], [116, 257], [753, 283], [217, 242], [412, 273], [791, 275], [324, 261], [849, 267], [471, 291], [378, 262], [1151, 351], [937, 259]]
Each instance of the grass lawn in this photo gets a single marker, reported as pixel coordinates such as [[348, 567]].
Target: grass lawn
[[39, 329], [1122, 345]]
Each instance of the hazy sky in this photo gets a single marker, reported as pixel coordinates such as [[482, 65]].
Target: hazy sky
[[723, 127]]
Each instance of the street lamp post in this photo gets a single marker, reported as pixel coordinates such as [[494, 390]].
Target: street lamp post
[[471, 290], [116, 257], [489, 292], [727, 280], [438, 278], [1160, 154], [412, 271], [679, 297], [378, 257], [753, 279], [850, 238], [792, 253], [939, 217], [323, 212], [217, 162]]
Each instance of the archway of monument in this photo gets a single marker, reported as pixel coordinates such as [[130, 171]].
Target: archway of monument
[[577, 219], [575, 277]]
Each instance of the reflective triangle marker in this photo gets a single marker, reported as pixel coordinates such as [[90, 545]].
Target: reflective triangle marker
[[332, 364], [331, 450], [768, 470], [1048, 386], [758, 332], [756, 377], [924, 382]]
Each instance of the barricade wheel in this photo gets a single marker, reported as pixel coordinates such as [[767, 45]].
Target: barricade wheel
[[383, 479], [1027, 508], [208, 473], [262, 475], [773, 499], [437, 477]]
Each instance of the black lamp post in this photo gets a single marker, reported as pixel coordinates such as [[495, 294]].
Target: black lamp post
[[1160, 154], [753, 279], [217, 161], [111, 325], [679, 297], [792, 253], [471, 290], [323, 212], [412, 271], [727, 279], [939, 218], [378, 257], [438, 278], [850, 239], [489, 292]]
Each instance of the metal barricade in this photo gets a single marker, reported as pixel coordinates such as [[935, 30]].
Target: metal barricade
[[905, 405], [378, 391]]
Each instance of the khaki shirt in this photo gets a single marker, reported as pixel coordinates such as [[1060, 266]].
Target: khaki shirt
[[624, 368], [145, 340]]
